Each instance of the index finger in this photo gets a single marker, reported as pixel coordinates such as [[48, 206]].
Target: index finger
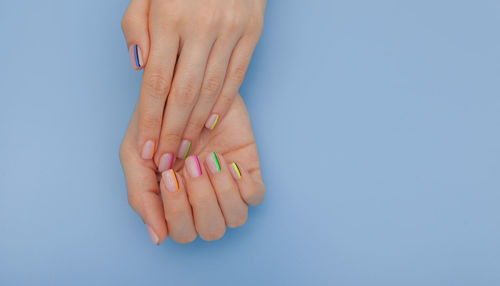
[[155, 87]]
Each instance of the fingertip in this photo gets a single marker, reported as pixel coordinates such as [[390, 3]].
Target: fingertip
[[252, 191], [136, 57], [212, 121]]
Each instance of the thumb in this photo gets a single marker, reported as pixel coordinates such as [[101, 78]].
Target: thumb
[[135, 30], [142, 185]]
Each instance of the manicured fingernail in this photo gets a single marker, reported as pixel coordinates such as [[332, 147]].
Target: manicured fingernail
[[170, 180], [193, 166], [148, 150], [166, 161], [135, 57], [184, 149], [152, 235], [212, 120], [235, 170], [213, 163]]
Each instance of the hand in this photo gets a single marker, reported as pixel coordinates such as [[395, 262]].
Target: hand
[[214, 41], [233, 141]]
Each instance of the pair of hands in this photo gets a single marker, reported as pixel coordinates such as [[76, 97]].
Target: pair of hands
[[214, 41]]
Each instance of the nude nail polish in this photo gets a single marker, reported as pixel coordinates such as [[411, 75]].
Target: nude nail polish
[[148, 150], [235, 171], [212, 121], [184, 149], [193, 166], [135, 57], [170, 180], [213, 163], [152, 235], [166, 161]]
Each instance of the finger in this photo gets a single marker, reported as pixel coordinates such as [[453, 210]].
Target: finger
[[136, 33], [208, 218], [211, 86], [252, 190], [233, 207], [177, 208], [154, 89], [182, 98], [235, 74], [142, 186]]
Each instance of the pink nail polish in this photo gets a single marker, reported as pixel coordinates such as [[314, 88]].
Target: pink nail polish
[[135, 57], [184, 149], [212, 121], [148, 150], [152, 235], [213, 163], [170, 180], [193, 166], [166, 161]]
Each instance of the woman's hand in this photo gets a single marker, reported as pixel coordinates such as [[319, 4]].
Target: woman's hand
[[201, 195], [197, 53]]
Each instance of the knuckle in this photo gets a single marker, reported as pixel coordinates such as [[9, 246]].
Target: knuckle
[[232, 21], [149, 121], [213, 234], [131, 22], [224, 191], [186, 94], [195, 125], [126, 22], [171, 138], [174, 213], [212, 84], [207, 20], [200, 200], [122, 153], [225, 100], [256, 23], [157, 84], [238, 72], [133, 201]]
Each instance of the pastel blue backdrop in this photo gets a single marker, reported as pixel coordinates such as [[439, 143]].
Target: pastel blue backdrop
[[377, 124]]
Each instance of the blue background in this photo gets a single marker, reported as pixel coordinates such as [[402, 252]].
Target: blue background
[[377, 124]]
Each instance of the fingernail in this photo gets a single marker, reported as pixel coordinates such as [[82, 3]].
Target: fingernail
[[184, 149], [170, 180], [213, 163], [148, 150], [235, 171], [152, 235], [193, 166], [135, 57], [212, 120], [166, 161]]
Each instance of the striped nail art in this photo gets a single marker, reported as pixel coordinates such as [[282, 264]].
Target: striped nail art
[[215, 121], [175, 179], [183, 149], [135, 57], [236, 170], [216, 161], [198, 165], [187, 150], [170, 181], [193, 166]]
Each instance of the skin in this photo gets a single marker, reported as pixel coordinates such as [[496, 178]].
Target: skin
[[204, 205], [196, 52]]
